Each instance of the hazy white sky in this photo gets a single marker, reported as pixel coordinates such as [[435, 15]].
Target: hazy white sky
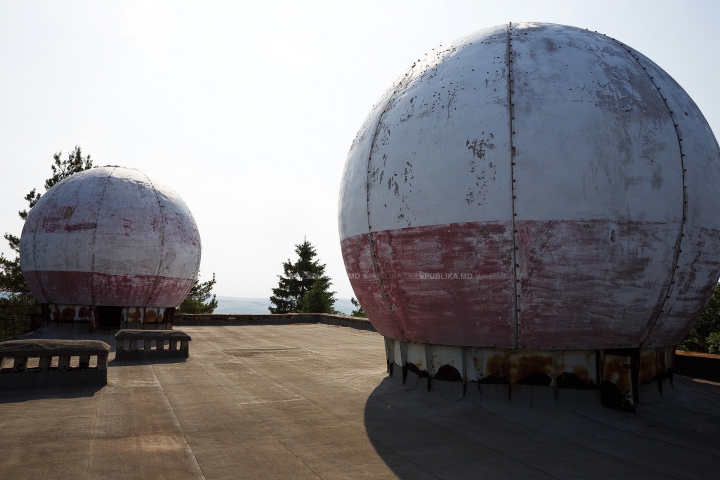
[[248, 110]]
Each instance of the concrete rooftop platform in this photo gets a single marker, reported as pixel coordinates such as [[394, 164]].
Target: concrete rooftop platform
[[313, 401]]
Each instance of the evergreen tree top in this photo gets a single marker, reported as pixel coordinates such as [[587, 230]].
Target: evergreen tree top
[[298, 278]]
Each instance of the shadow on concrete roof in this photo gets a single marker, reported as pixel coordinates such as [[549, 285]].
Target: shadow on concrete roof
[[314, 401], [55, 393]]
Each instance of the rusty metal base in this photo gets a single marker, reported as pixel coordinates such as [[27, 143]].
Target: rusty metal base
[[614, 378]]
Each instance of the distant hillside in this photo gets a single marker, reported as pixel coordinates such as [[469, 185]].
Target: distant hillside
[[260, 305]]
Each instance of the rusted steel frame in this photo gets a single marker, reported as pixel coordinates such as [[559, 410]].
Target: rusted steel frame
[[397, 356], [59, 313], [390, 358], [616, 373], [633, 354], [430, 364]]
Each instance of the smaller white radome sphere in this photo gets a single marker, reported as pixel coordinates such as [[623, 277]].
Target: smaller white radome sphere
[[110, 236]]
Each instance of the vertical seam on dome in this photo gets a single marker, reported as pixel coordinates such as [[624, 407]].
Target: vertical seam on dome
[[199, 255], [373, 250], [34, 255], [34, 244], [681, 234], [162, 242], [92, 246], [511, 112]]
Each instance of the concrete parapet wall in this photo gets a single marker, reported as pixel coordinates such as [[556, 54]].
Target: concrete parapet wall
[[137, 344], [698, 365], [184, 319], [50, 373]]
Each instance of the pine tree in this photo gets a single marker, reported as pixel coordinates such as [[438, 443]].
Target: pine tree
[[358, 312], [705, 334], [11, 278], [318, 299], [197, 299], [298, 279]]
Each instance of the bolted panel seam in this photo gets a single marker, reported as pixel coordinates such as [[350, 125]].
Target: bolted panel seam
[[678, 244], [511, 113], [92, 245]]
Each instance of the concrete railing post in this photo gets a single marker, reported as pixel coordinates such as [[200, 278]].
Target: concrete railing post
[[84, 361], [102, 362], [19, 364], [45, 363], [64, 362]]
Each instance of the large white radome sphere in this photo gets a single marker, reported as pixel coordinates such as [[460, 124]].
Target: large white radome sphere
[[537, 186]]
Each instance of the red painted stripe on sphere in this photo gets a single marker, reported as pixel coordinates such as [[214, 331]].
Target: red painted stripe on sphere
[[583, 284], [591, 284], [695, 281], [75, 288], [448, 284], [359, 265]]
